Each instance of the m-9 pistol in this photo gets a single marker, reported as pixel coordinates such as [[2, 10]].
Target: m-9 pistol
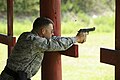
[[87, 30]]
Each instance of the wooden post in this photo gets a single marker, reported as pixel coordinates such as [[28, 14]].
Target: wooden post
[[51, 65], [113, 56], [117, 40], [9, 39], [9, 22]]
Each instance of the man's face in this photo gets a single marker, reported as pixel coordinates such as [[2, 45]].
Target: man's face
[[48, 31]]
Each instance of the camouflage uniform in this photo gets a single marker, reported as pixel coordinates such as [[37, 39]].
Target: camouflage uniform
[[28, 52]]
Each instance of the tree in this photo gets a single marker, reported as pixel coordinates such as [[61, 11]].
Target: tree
[[88, 6]]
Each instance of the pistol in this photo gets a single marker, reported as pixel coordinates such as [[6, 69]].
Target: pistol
[[87, 30]]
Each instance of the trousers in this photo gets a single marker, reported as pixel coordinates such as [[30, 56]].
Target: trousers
[[8, 74]]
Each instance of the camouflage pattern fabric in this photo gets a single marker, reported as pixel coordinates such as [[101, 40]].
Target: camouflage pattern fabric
[[28, 52]]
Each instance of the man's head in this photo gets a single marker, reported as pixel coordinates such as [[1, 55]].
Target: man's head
[[44, 27]]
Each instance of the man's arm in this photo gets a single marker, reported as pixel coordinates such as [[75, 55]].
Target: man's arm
[[55, 43]]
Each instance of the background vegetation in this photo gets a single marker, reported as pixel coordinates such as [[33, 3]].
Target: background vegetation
[[86, 6], [75, 14]]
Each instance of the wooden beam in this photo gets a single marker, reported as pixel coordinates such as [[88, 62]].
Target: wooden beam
[[71, 52], [8, 40], [9, 22], [107, 56], [51, 64], [10, 17], [52, 10], [110, 56], [117, 26]]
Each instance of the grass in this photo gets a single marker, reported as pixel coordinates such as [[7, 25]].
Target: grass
[[70, 25], [87, 66]]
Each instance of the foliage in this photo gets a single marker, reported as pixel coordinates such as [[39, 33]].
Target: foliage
[[90, 7], [104, 23], [26, 6], [23, 7]]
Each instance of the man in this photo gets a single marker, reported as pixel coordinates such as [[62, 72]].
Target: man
[[28, 53]]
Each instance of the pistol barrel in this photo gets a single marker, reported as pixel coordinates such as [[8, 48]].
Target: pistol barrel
[[87, 30]]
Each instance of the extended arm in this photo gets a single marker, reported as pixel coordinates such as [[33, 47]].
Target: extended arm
[[55, 43]]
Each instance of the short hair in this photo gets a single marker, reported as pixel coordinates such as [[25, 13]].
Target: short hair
[[41, 22]]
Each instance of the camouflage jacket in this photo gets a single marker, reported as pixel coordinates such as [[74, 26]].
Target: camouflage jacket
[[28, 53]]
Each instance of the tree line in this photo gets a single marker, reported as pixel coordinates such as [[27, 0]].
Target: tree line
[[86, 6]]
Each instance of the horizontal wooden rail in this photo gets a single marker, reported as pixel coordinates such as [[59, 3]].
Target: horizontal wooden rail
[[71, 52], [109, 56], [8, 40]]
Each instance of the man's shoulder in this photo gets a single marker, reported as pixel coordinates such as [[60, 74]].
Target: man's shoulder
[[26, 35]]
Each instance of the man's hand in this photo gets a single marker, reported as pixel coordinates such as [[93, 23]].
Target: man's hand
[[81, 37]]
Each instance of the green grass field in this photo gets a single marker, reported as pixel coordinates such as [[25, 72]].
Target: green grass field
[[87, 66]]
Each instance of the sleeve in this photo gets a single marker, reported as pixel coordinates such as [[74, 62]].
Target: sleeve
[[55, 43]]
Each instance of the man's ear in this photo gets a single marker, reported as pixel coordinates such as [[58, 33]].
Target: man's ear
[[43, 30]]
